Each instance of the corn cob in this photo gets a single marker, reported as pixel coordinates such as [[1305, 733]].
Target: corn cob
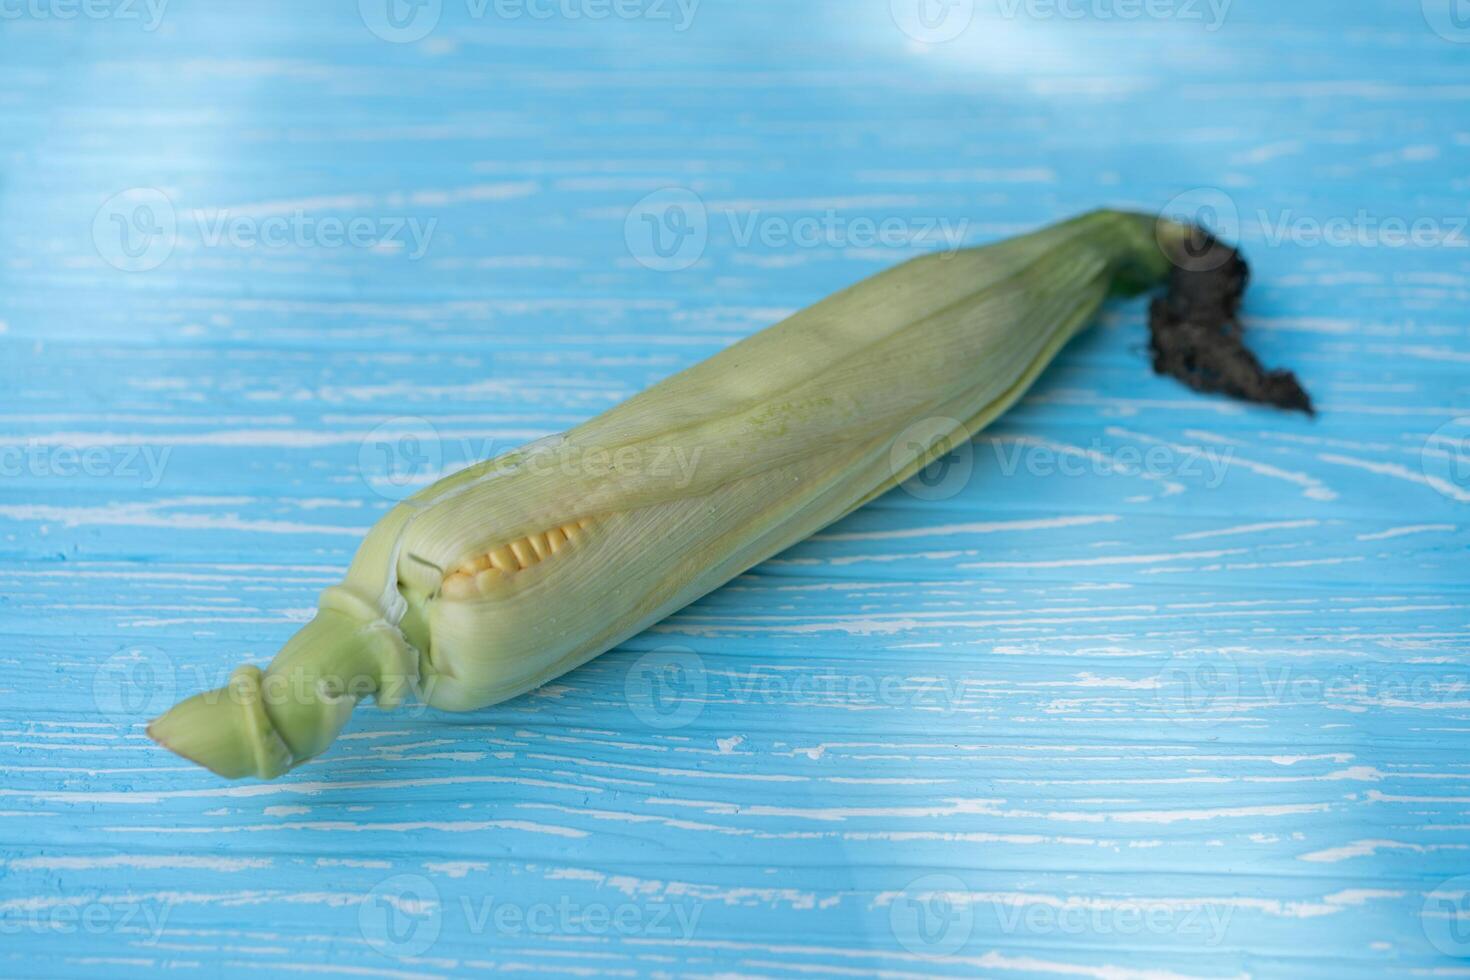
[[515, 570]]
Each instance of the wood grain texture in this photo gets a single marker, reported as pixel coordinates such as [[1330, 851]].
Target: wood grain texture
[[1144, 685]]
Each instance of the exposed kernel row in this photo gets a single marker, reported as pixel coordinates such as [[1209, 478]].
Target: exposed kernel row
[[477, 576]]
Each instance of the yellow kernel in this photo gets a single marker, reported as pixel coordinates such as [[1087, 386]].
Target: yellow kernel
[[572, 532], [481, 563], [555, 540], [487, 580], [539, 545], [523, 552], [459, 586], [505, 560]]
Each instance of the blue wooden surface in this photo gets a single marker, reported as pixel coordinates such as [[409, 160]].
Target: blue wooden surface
[[1157, 685]]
